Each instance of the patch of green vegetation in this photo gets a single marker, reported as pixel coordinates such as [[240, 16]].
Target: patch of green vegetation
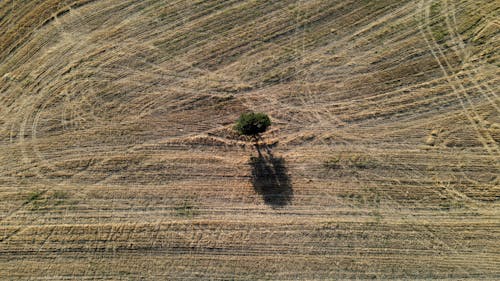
[[60, 194], [351, 161], [375, 198], [438, 26], [186, 209], [361, 162], [378, 216], [37, 202], [279, 75], [468, 23], [226, 98], [351, 196], [439, 33], [435, 8], [59, 197], [451, 204], [33, 196], [333, 163], [223, 102], [361, 198]]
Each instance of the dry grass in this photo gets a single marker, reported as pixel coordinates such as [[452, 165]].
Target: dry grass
[[119, 162]]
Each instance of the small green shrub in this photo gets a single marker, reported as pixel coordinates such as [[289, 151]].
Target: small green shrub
[[252, 124], [186, 209], [333, 163], [33, 196], [353, 161], [60, 194]]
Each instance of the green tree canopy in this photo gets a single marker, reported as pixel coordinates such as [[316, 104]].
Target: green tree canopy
[[252, 123]]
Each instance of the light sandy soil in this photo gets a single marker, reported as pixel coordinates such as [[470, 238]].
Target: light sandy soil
[[118, 158]]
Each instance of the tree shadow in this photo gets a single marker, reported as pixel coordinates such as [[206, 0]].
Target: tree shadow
[[270, 178]]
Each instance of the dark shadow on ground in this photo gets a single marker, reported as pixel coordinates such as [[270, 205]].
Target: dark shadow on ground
[[270, 178]]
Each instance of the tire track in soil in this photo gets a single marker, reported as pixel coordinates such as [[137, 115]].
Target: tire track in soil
[[451, 23], [26, 223], [427, 229], [484, 137]]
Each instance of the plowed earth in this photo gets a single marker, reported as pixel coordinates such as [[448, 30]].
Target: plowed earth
[[118, 159]]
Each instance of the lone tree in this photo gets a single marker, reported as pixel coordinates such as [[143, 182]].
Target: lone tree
[[252, 124]]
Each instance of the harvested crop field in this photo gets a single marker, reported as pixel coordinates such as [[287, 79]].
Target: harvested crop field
[[119, 159]]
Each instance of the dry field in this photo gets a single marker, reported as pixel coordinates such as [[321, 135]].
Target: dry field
[[118, 159]]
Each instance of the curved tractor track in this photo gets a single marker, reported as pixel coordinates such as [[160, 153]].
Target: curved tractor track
[[119, 161]]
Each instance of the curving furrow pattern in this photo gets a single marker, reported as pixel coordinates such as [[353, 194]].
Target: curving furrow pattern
[[119, 159]]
